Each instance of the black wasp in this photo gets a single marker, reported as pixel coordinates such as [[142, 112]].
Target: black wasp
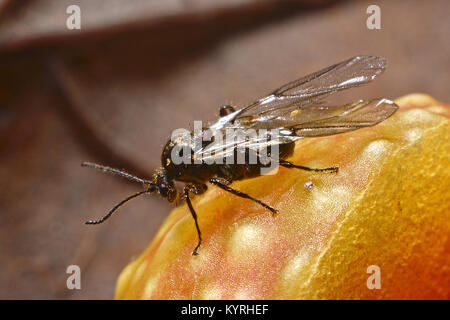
[[297, 109]]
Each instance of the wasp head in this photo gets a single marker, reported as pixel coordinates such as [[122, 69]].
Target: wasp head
[[165, 185]]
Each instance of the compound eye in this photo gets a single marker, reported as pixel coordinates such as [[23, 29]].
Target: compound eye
[[226, 110], [163, 191]]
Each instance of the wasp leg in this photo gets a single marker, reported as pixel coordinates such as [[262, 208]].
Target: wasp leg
[[241, 194], [194, 189], [287, 164]]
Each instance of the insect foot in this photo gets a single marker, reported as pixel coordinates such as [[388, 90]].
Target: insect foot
[[275, 213]]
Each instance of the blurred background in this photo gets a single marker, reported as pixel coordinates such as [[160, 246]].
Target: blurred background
[[113, 91]]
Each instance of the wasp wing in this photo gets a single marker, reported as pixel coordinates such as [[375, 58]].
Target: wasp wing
[[361, 112], [353, 116], [311, 121], [297, 111], [343, 75], [308, 90]]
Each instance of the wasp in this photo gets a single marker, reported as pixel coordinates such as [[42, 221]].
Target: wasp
[[297, 110]]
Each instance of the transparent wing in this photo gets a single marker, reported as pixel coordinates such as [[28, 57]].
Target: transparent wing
[[312, 121], [346, 74], [353, 116], [307, 91]]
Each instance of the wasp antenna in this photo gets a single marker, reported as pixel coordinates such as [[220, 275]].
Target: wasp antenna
[[117, 172], [137, 194]]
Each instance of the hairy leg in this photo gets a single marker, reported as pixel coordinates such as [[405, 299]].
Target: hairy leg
[[287, 164], [196, 190], [221, 185]]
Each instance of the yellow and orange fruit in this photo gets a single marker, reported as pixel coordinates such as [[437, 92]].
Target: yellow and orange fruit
[[388, 206]]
